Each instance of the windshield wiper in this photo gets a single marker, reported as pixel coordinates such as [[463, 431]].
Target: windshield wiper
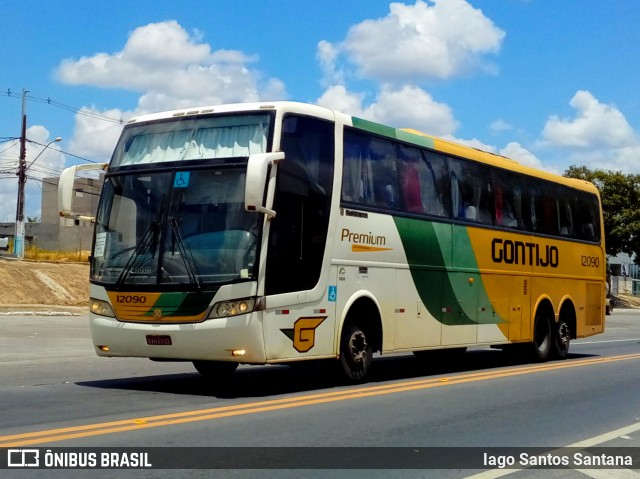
[[147, 244], [185, 252]]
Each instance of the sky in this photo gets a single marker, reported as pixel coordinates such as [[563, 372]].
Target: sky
[[549, 83]]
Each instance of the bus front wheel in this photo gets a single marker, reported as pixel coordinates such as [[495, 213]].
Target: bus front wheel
[[215, 369], [356, 353]]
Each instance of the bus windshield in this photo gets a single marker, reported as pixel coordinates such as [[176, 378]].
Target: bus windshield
[[174, 227]]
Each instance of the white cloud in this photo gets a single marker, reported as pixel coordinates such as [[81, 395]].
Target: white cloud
[[519, 153], [95, 139], [327, 56], [437, 39], [338, 98], [599, 136], [500, 126], [513, 150], [171, 69], [595, 124], [406, 107]]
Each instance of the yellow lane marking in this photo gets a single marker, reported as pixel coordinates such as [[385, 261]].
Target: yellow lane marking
[[88, 430]]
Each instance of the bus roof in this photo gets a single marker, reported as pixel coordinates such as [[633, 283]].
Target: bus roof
[[406, 135]]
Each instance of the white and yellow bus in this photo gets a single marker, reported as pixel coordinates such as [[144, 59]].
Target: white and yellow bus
[[267, 233]]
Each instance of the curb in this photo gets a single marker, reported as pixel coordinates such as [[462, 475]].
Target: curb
[[41, 310], [39, 313]]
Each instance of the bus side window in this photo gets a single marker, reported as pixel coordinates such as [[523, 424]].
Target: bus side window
[[411, 194], [507, 199], [356, 173], [433, 177], [370, 174], [385, 176], [586, 217], [472, 196], [410, 182], [486, 196], [456, 197], [565, 216]]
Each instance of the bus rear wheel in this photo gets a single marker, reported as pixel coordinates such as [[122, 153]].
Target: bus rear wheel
[[215, 369], [542, 338], [356, 353], [561, 340]]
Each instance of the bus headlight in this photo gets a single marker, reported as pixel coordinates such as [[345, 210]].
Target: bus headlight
[[224, 309], [101, 308]]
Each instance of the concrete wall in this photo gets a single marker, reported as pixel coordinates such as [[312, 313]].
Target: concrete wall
[[53, 237]]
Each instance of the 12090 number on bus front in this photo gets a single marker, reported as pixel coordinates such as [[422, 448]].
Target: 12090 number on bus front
[[590, 261], [131, 299]]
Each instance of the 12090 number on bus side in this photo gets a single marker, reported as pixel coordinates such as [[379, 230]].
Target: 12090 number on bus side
[[590, 261], [130, 299]]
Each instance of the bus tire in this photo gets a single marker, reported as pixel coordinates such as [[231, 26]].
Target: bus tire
[[215, 369], [542, 338], [561, 340], [356, 353]]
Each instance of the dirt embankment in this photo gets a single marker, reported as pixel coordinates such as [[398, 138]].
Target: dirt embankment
[[28, 283], [39, 283]]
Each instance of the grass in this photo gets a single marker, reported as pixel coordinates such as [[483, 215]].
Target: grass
[[36, 254]]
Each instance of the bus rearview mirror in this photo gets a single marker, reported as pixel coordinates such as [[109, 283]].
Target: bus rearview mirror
[[260, 183], [66, 190]]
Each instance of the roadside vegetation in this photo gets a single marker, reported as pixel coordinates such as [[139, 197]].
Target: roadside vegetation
[[36, 254], [620, 194]]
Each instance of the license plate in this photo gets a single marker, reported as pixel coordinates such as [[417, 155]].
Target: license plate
[[159, 340]]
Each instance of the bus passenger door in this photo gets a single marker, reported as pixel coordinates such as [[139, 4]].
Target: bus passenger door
[[300, 307]]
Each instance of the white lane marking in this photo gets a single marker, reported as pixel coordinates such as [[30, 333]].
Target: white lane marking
[[590, 442]]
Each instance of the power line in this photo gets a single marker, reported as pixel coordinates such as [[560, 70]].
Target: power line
[[66, 153], [49, 101], [57, 104]]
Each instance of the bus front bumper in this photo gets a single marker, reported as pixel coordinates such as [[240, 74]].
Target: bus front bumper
[[238, 339]]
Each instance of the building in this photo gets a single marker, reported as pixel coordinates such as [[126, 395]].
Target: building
[[625, 274], [54, 233]]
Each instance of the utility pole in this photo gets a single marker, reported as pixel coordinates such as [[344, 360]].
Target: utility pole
[[18, 239]]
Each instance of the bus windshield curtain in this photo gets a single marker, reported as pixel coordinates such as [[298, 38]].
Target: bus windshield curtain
[[222, 142]]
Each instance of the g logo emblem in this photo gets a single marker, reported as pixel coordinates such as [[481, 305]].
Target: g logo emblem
[[303, 333]]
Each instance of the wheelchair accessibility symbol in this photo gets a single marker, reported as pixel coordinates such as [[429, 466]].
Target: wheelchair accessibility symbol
[[333, 293], [181, 179]]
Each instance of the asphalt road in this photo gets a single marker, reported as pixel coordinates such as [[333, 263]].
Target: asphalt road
[[54, 392]]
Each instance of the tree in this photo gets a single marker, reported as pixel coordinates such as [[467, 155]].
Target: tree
[[33, 219], [620, 195]]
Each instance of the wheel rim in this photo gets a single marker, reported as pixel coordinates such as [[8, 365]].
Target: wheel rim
[[358, 349], [564, 337]]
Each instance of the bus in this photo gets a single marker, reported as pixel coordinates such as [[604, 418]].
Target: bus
[[272, 233]]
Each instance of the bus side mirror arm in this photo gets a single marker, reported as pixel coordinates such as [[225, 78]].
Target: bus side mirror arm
[[259, 185], [66, 190]]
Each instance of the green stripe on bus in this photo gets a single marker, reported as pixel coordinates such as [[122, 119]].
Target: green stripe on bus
[[182, 304], [372, 127], [394, 133], [445, 291]]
